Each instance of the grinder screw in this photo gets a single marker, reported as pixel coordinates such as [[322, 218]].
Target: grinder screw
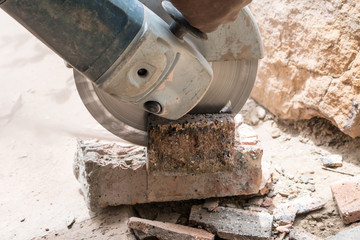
[[153, 107]]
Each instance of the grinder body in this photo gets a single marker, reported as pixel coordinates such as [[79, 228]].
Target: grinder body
[[123, 48]]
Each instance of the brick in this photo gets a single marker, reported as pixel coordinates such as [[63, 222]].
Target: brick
[[232, 223], [168, 231], [348, 234], [302, 235], [200, 143], [111, 174], [347, 198]]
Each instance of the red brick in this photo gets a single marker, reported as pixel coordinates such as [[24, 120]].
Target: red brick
[[347, 198], [168, 231], [113, 174]]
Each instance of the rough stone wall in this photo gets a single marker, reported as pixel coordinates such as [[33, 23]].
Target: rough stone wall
[[312, 61]]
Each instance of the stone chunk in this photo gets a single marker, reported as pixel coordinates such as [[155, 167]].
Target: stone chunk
[[332, 161], [231, 223], [285, 213], [172, 217], [347, 198], [302, 235], [110, 174], [348, 234], [200, 143], [308, 204], [168, 231]]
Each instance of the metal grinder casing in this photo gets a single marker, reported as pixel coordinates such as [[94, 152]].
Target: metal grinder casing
[[124, 56]]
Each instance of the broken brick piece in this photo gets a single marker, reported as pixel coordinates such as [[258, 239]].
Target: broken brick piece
[[193, 144], [232, 223], [168, 231], [347, 198], [110, 174]]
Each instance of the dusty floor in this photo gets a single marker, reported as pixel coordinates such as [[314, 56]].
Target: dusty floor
[[42, 115]]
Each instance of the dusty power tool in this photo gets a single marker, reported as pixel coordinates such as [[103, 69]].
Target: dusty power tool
[[131, 58]]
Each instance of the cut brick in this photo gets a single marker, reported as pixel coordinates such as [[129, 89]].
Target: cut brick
[[111, 174], [231, 223], [347, 197], [302, 235], [168, 231], [193, 144]]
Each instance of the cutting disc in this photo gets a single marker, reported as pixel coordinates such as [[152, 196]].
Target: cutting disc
[[231, 87]]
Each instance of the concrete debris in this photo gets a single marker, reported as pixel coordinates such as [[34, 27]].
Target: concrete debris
[[239, 119], [267, 202], [332, 161], [311, 188], [211, 204], [70, 220], [302, 235], [257, 201], [260, 112], [285, 213], [168, 231], [172, 217], [284, 228], [306, 178], [275, 133], [308, 204], [348, 234], [347, 197], [232, 223], [246, 135]]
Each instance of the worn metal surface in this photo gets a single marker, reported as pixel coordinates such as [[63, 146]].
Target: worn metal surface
[[159, 67], [232, 82], [230, 42]]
